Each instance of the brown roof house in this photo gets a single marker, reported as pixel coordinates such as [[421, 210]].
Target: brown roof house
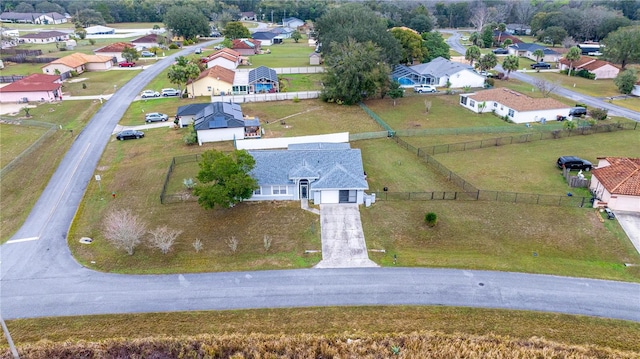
[[113, 50], [226, 58], [147, 41], [45, 37], [35, 87], [616, 183], [602, 69], [215, 81], [247, 46], [519, 108], [79, 63]]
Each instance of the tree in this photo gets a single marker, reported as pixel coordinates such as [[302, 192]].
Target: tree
[[130, 54], [488, 61], [182, 71], [395, 91], [436, 45], [192, 72], [123, 229], [411, 43], [24, 7], [510, 63], [354, 71], [626, 80], [421, 23], [553, 35], [623, 46], [235, 30], [487, 36], [502, 27], [163, 238], [539, 54], [296, 36], [186, 21], [545, 87], [225, 178], [472, 54], [574, 54], [88, 17], [358, 22], [45, 7], [482, 16], [506, 43], [474, 37]]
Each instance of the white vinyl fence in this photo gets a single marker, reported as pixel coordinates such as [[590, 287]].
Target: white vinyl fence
[[291, 70], [265, 97], [284, 142]]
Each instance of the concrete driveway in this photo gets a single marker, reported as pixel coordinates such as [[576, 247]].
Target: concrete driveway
[[343, 244], [630, 222]]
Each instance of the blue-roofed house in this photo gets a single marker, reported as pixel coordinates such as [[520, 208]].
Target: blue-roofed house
[[282, 32], [437, 72], [265, 37], [259, 80], [292, 22], [525, 49], [322, 172], [218, 121]]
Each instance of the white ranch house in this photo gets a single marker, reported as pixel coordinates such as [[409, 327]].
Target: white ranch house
[[437, 72]]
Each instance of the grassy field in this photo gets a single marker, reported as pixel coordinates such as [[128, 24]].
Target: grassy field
[[287, 54], [362, 322], [15, 139], [97, 83], [302, 82]]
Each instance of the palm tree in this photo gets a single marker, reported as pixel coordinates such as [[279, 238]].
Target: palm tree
[[539, 53], [472, 54], [507, 42], [571, 56], [488, 61], [474, 38], [510, 63], [502, 27]]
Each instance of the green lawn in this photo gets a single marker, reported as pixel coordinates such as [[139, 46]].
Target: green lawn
[[287, 54], [302, 82], [15, 139], [97, 83]]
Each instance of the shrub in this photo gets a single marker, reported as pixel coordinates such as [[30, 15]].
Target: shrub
[[173, 46], [191, 138], [490, 82], [84, 85], [73, 73], [92, 41], [599, 113], [296, 99], [431, 219]]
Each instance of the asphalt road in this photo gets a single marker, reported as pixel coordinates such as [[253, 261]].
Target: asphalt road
[[39, 277]]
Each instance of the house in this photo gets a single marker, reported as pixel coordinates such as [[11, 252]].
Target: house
[[44, 37], [525, 49], [247, 16], [35, 87], [100, 30], [323, 172], [518, 29], [215, 81], [502, 36], [519, 108], [79, 63], [147, 41], [113, 50], [601, 69], [186, 114], [616, 183], [636, 89], [282, 32], [315, 58], [9, 33], [50, 18], [590, 48], [226, 58], [259, 80], [292, 22], [222, 121], [438, 72], [247, 46], [265, 37]]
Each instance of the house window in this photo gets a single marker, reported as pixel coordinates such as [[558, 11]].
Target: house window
[[495, 104], [511, 113], [279, 189], [472, 103], [463, 100], [258, 191], [209, 88]]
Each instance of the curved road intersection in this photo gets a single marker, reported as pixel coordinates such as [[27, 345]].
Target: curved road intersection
[[39, 277]]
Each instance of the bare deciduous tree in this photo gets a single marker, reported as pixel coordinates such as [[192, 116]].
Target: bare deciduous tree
[[197, 245], [569, 42], [233, 243], [163, 238], [524, 12], [545, 87], [267, 242], [124, 230], [482, 15], [427, 106]]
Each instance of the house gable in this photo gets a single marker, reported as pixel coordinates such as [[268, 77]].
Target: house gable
[[619, 175]]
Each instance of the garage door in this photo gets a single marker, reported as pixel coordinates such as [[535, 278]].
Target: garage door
[[347, 196]]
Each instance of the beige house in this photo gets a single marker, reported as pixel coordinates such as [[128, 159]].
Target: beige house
[[602, 69], [79, 63], [226, 58], [214, 81], [45, 37], [616, 183], [113, 50]]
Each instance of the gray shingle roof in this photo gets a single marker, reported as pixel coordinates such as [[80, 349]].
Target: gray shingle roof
[[191, 110], [262, 72], [439, 67], [334, 167], [264, 35], [525, 46], [219, 115]]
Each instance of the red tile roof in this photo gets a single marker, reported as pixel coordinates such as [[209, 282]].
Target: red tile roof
[[516, 100], [583, 60], [220, 73], [41, 78], [115, 47], [622, 176], [146, 39], [34, 82], [242, 44], [597, 64]]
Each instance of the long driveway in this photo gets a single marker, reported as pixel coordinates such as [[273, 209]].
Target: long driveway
[[39, 277]]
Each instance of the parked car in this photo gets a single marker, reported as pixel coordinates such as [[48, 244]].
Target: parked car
[[129, 135], [574, 163], [169, 92], [149, 93], [218, 47], [146, 53], [127, 64], [540, 65], [609, 213], [424, 88], [198, 50], [155, 117], [577, 111], [500, 51]]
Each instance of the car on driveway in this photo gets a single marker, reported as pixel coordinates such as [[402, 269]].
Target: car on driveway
[[424, 88], [149, 93], [155, 117], [574, 163], [146, 53], [170, 92], [198, 50], [540, 65], [129, 135], [127, 64], [500, 51]]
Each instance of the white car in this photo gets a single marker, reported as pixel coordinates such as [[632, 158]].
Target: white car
[[170, 92], [155, 116], [424, 88], [149, 93]]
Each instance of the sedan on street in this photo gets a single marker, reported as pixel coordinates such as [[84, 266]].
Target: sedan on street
[[155, 116], [146, 53], [129, 135], [149, 93]]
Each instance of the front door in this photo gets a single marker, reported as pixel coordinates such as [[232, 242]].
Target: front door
[[304, 189]]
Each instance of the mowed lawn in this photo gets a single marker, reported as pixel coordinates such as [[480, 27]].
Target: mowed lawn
[[531, 167], [97, 83], [287, 54], [14, 139]]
